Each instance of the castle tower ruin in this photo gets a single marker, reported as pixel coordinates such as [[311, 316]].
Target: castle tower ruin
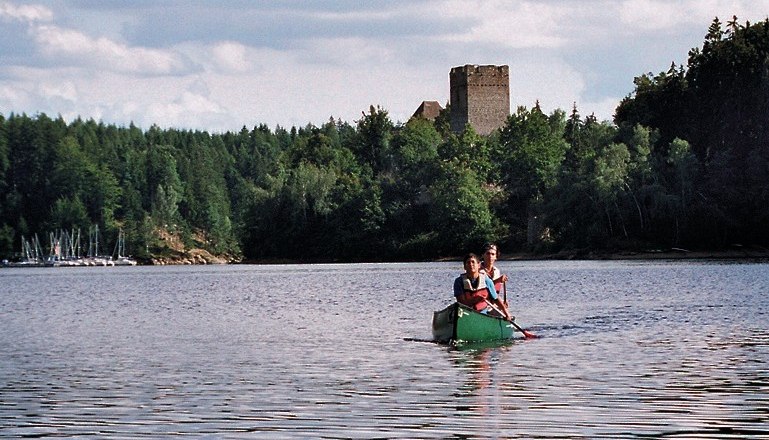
[[480, 96]]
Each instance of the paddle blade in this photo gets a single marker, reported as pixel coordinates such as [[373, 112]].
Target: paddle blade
[[526, 334]]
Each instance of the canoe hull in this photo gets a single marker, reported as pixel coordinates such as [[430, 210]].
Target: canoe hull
[[458, 322]]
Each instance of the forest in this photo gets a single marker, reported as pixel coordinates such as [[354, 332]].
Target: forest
[[684, 164]]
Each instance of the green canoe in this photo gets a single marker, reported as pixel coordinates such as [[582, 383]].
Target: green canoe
[[458, 322]]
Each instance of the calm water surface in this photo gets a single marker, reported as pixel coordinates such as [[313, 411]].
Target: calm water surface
[[627, 350]]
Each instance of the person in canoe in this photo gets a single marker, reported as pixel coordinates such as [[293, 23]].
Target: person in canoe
[[490, 255], [475, 289]]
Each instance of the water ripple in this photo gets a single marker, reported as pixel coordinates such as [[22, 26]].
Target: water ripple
[[627, 350]]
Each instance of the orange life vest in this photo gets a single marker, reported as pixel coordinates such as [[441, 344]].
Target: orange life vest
[[496, 278], [474, 297]]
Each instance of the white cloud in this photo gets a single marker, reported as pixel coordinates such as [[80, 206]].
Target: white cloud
[[512, 24], [335, 61], [64, 90], [13, 97], [28, 13], [651, 15], [656, 15], [552, 82], [230, 56], [602, 109], [184, 111], [102, 53], [349, 52]]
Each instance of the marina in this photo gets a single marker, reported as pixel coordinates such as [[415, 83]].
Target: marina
[[66, 249]]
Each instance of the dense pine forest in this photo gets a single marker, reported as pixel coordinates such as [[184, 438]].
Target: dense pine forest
[[685, 163]]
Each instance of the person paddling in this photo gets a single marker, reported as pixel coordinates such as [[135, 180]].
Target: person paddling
[[490, 255], [475, 289]]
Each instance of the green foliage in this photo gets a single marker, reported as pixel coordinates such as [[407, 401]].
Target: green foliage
[[6, 240], [5, 162], [69, 214], [164, 188], [659, 101], [374, 134], [468, 150], [718, 104], [534, 148], [417, 145], [685, 163], [460, 214]]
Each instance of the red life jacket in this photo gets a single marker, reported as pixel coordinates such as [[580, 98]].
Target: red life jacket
[[496, 278], [474, 297]]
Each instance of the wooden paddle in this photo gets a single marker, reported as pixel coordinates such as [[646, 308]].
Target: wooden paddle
[[526, 334], [504, 292]]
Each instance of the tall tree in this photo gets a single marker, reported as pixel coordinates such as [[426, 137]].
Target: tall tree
[[460, 211], [163, 184], [373, 140], [534, 148]]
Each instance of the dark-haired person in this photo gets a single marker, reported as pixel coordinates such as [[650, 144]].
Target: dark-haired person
[[490, 255], [474, 289]]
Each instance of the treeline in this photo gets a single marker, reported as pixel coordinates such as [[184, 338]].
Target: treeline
[[685, 163]]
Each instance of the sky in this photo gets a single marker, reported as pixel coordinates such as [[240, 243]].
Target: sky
[[221, 65]]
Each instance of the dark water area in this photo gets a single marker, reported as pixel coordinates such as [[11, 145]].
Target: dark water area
[[627, 349]]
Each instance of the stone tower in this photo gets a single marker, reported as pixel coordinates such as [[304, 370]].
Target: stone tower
[[480, 95]]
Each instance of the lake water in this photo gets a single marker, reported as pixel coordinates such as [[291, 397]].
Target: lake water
[[627, 349]]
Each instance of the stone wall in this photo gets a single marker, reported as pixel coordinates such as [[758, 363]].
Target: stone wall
[[480, 95]]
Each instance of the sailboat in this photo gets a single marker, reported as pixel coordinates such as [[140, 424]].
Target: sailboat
[[94, 259], [32, 256], [122, 260]]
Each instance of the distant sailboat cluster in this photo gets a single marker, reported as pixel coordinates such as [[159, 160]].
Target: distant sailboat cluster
[[66, 249]]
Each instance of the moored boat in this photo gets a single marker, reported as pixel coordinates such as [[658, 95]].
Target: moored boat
[[121, 259], [458, 322]]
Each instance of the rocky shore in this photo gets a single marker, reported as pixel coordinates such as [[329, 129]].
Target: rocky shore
[[194, 256]]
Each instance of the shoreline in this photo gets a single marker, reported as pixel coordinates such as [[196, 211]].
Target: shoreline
[[751, 254], [670, 254]]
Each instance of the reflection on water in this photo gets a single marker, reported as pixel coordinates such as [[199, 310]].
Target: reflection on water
[[626, 350], [480, 387]]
